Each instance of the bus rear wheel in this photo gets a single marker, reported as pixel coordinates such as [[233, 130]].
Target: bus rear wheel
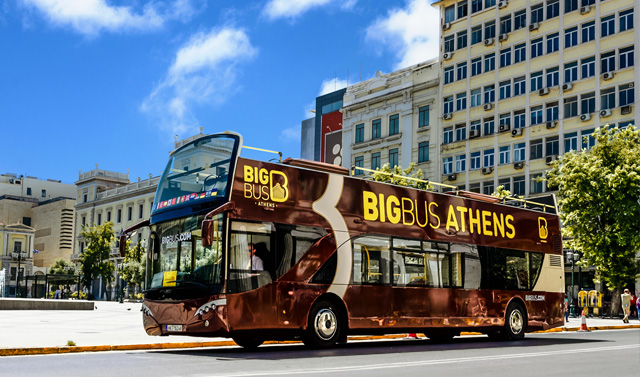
[[325, 326], [515, 323], [247, 342]]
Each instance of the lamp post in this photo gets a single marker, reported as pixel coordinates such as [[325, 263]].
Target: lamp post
[[19, 256], [574, 257]]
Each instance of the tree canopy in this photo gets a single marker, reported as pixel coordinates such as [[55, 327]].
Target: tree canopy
[[95, 259], [134, 263], [400, 177], [62, 266], [599, 202]]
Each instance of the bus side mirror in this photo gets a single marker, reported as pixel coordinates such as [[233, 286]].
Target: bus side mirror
[[123, 245], [207, 233]]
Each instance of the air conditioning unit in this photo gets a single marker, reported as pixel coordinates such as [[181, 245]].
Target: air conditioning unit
[[503, 4], [446, 116], [624, 110], [585, 117], [518, 165], [552, 124], [534, 26], [605, 113], [608, 75], [474, 133], [486, 171], [543, 91], [504, 128], [488, 41], [487, 106], [446, 26], [503, 37], [447, 55], [566, 87], [452, 177], [516, 132], [551, 158], [585, 9]]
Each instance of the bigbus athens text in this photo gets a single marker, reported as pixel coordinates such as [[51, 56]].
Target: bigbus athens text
[[407, 210]]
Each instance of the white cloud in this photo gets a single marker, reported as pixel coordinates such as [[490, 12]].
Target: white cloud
[[291, 134], [411, 33], [203, 72], [275, 9], [331, 85], [91, 17]]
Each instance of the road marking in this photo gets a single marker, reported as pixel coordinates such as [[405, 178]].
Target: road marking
[[360, 368]]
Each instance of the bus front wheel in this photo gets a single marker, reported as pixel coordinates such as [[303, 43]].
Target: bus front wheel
[[325, 325], [515, 322]]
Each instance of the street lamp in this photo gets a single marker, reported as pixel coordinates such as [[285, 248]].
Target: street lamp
[[18, 253], [573, 257]]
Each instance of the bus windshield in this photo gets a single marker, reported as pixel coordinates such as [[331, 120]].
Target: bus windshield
[[197, 171], [179, 259]]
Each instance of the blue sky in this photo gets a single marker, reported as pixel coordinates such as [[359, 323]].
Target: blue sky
[[111, 82]]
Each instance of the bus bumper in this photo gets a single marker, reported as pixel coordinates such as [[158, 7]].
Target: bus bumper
[[188, 318]]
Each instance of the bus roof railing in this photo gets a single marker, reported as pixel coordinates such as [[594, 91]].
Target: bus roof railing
[[265, 150], [468, 194]]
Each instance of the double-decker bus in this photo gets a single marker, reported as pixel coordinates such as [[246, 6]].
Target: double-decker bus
[[261, 251]]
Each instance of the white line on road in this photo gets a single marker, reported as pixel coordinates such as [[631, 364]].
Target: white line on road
[[425, 363]]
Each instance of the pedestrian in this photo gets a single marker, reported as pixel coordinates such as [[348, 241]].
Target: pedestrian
[[566, 309], [634, 311], [626, 305], [638, 307]]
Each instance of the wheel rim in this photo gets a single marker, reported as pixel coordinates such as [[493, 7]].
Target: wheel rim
[[326, 324], [516, 321]]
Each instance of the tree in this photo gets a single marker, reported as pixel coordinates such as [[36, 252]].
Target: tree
[[62, 266], [599, 202], [95, 259], [397, 176], [134, 264]]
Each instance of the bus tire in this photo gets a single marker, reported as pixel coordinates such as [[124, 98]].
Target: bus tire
[[515, 322], [325, 326], [247, 342]]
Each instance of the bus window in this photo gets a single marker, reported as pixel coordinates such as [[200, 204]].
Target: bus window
[[536, 266], [371, 260], [419, 263], [438, 262], [250, 259], [292, 242], [465, 270]]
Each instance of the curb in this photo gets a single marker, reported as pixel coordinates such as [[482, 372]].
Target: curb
[[227, 343]]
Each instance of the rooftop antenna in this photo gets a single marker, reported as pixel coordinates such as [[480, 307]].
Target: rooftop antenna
[[347, 75], [360, 71]]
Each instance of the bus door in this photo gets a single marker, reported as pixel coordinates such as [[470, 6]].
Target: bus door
[[369, 298]]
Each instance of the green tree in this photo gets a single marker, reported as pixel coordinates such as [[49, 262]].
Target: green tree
[[397, 176], [134, 264], [95, 259], [501, 192], [599, 201], [62, 266]]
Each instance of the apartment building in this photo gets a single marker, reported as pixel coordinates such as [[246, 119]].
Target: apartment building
[[524, 81], [390, 119]]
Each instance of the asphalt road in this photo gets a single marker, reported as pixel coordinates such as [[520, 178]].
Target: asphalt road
[[609, 352]]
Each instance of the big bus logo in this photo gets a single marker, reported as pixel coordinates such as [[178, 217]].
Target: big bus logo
[[265, 185], [543, 231]]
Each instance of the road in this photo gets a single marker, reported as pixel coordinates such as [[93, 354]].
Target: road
[[552, 354]]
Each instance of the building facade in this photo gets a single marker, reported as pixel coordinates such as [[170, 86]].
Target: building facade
[[36, 227], [104, 196], [524, 81], [392, 118]]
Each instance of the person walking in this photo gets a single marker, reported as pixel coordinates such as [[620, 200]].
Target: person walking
[[626, 305], [638, 306], [566, 309]]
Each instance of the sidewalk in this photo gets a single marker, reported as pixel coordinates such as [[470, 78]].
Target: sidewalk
[[115, 326]]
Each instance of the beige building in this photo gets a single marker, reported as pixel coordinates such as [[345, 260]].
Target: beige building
[[524, 81], [104, 196], [392, 118], [36, 227]]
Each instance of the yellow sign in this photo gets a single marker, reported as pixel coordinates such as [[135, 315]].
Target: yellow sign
[[458, 218], [265, 185], [169, 278], [543, 231]]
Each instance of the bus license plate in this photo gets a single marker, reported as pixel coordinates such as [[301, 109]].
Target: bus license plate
[[174, 327]]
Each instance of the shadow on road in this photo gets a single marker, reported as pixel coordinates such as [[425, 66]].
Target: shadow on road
[[384, 348]]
